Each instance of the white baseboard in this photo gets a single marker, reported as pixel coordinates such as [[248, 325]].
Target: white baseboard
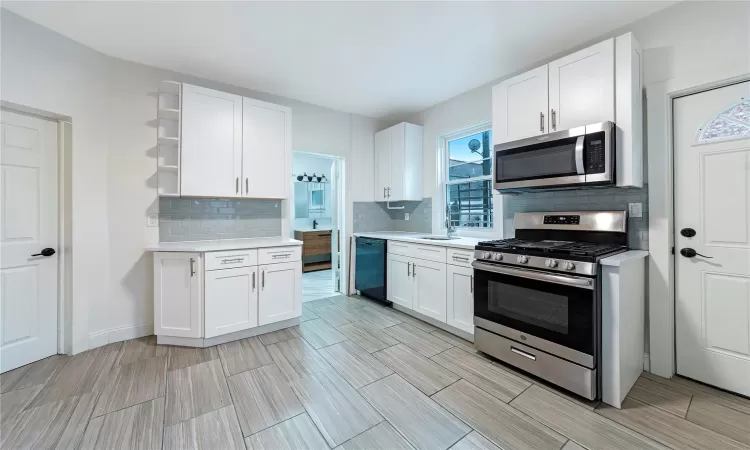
[[105, 337], [647, 362]]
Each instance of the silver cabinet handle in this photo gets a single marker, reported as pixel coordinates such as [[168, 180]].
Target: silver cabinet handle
[[247, 188], [384, 191], [231, 261], [282, 255], [459, 258], [192, 266], [579, 156], [471, 277], [414, 270], [408, 269], [237, 185], [541, 122], [523, 353], [253, 280], [263, 279], [389, 192], [554, 120]]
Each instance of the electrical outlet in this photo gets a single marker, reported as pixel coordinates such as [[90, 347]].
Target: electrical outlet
[[406, 216], [635, 209], [152, 220]]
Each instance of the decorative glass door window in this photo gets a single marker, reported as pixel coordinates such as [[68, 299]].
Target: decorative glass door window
[[732, 123]]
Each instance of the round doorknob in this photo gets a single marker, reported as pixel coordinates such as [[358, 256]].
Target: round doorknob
[[45, 252]]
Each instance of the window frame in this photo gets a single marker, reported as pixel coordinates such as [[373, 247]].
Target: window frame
[[443, 163]]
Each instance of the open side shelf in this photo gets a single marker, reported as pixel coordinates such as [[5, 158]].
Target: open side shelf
[[168, 140]]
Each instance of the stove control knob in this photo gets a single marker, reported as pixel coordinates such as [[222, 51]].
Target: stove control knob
[[551, 263], [522, 259], [569, 265], [497, 256], [487, 255]]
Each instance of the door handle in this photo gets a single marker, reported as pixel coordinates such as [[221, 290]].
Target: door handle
[[45, 252], [580, 169], [192, 267], [554, 120], [408, 269], [689, 253], [541, 122], [687, 232]]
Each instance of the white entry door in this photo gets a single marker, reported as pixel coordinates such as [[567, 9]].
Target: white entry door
[[28, 224], [712, 197]]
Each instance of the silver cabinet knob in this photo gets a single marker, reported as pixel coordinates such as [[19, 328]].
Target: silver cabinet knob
[[551, 263], [522, 259], [569, 265]]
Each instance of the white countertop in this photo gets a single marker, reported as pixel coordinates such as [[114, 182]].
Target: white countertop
[[466, 243], [623, 258], [228, 244], [321, 228]]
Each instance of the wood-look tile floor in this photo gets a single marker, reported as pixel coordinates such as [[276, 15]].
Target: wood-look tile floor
[[316, 285], [354, 375]]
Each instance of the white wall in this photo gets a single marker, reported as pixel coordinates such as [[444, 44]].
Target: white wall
[[691, 40], [113, 104]]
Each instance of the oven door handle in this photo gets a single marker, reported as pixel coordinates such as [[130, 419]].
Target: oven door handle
[[579, 156], [585, 283]]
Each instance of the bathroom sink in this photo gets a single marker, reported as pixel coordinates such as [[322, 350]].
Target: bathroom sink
[[438, 238]]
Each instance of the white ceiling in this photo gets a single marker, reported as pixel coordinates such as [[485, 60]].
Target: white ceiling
[[370, 58]]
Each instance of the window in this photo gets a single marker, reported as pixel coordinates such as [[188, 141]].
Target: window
[[468, 179], [732, 123]]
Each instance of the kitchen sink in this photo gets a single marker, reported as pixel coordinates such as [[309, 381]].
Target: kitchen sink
[[438, 238]]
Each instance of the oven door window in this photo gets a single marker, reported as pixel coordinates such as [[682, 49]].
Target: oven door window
[[557, 313], [547, 160]]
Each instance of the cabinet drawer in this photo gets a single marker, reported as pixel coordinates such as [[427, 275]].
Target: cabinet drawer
[[274, 255], [459, 257], [401, 248], [231, 259], [430, 252]]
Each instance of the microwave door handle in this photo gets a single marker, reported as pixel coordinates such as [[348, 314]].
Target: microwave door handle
[[579, 156]]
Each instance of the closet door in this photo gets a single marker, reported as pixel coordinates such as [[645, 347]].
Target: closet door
[[211, 161], [266, 149]]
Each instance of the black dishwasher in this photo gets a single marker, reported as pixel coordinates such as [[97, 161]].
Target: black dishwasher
[[370, 272]]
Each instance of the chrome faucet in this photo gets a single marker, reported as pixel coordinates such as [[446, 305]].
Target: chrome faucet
[[450, 230]]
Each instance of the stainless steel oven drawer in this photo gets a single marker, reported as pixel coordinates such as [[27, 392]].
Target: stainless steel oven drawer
[[575, 378]]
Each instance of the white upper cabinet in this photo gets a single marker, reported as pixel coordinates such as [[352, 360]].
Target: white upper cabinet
[[582, 87], [519, 106], [398, 163], [211, 153], [266, 149]]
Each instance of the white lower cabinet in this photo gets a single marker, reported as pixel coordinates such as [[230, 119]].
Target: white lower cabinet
[[400, 283], [231, 300], [460, 298], [280, 292], [178, 294], [429, 288]]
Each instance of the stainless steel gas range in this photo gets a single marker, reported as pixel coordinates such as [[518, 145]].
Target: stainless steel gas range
[[537, 298]]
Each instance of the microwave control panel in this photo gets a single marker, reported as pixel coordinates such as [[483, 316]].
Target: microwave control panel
[[595, 154]]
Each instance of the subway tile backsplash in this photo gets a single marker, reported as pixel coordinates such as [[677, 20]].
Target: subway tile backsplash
[[375, 216], [201, 219], [591, 199]]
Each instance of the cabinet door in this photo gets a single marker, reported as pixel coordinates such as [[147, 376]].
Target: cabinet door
[[266, 149], [397, 162], [519, 107], [211, 140], [460, 301], [382, 164], [280, 296], [429, 292], [178, 301], [582, 87], [231, 299], [399, 281]]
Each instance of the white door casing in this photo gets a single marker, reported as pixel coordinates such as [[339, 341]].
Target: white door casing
[[29, 221], [460, 300], [211, 143], [400, 283], [519, 107], [280, 296], [231, 299], [582, 87], [429, 292], [266, 149], [712, 196]]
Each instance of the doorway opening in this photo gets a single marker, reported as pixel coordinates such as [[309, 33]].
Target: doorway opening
[[318, 220]]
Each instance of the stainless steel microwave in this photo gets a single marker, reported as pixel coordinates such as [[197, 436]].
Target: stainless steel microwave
[[575, 157]]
